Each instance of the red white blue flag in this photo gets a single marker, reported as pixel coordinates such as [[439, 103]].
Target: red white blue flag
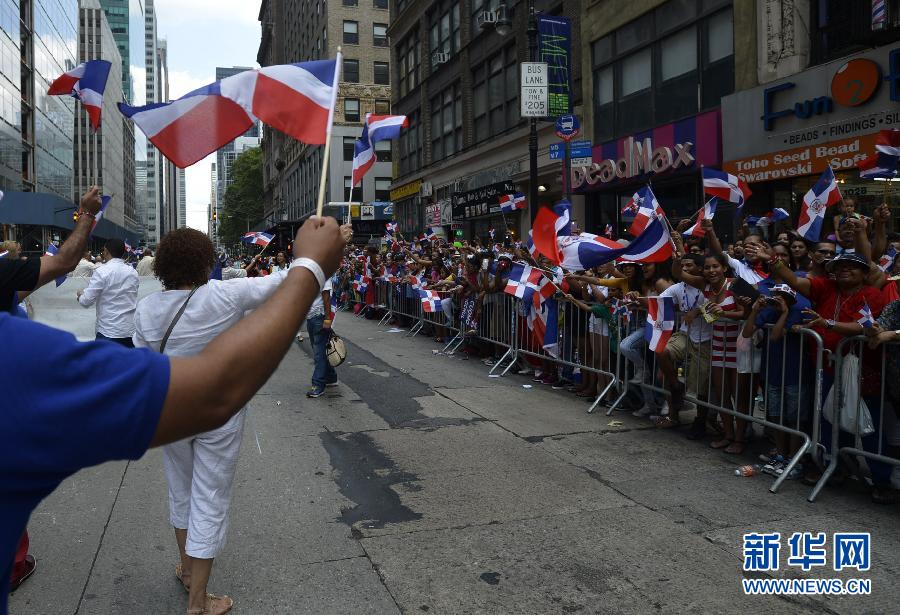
[[52, 250], [725, 186], [660, 322], [257, 238], [543, 322], [886, 262], [586, 251], [820, 197], [376, 128], [431, 301], [86, 82], [646, 209], [525, 281], [296, 99], [511, 202], [707, 213], [879, 14], [865, 316]]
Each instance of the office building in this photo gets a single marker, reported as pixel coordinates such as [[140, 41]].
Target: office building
[[303, 31], [152, 214], [182, 199], [118, 16]]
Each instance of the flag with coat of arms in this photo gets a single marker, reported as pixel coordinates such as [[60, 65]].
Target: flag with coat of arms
[[660, 322], [821, 196]]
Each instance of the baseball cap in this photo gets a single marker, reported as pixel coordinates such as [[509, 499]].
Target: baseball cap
[[852, 258], [784, 288]]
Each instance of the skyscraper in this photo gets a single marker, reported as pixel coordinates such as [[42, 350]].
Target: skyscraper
[[182, 199], [152, 214], [117, 15]]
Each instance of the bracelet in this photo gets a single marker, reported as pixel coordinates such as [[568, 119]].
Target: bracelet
[[314, 268], [82, 212]]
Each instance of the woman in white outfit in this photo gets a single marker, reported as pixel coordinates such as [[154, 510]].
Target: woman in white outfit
[[199, 470]]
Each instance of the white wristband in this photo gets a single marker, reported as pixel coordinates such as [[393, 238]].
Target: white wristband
[[313, 267]]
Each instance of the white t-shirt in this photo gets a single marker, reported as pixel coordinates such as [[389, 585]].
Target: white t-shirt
[[318, 307], [686, 298], [114, 288], [744, 271]]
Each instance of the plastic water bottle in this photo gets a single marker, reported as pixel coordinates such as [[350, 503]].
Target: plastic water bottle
[[747, 470]]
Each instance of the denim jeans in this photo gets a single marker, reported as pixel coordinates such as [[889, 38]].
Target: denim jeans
[[323, 373]]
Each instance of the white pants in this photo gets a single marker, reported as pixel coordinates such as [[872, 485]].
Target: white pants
[[200, 473]]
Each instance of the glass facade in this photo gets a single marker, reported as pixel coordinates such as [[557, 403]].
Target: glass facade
[[10, 97], [118, 17], [55, 41]]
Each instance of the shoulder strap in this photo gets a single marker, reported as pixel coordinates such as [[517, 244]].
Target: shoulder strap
[[165, 339]]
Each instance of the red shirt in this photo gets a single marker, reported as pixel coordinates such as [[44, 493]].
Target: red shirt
[[832, 305]]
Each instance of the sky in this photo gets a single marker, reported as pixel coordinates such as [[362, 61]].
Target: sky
[[201, 34]]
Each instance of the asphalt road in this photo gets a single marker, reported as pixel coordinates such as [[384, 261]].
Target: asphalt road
[[420, 485]]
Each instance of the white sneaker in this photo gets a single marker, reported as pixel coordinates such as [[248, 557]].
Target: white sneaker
[[643, 412]]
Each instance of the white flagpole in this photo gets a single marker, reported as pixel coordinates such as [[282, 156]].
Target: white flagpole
[[334, 94]]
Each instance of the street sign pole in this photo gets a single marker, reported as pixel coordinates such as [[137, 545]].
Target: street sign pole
[[567, 173]]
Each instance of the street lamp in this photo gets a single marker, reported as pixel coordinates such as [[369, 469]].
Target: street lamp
[[503, 25]]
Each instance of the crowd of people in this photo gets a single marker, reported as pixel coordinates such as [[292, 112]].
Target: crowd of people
[[745, 312]]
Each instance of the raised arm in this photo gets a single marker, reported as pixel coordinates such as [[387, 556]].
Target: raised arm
[[72, 248], [801, 285], [203, 390]]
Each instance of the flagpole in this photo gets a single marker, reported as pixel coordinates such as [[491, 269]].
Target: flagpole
[[322, 181]]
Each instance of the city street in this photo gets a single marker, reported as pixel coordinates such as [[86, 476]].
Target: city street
[[420, 485]]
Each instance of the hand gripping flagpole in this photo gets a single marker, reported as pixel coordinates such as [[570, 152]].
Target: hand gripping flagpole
[[334, 94]]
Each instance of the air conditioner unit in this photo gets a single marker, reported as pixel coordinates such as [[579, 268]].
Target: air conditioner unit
[[426, 189], [486, 18], [439, 57]]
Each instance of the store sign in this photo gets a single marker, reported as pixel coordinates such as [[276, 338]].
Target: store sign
[[840, 155], [406, 190], [555, 48], [433, 215], [480, 202], [832, 102], [367, 212], [670, 148], [534, 92]]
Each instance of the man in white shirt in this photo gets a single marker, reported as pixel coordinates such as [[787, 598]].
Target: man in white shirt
[[145, 265], [318, 324], [114, 288], [85, 267]]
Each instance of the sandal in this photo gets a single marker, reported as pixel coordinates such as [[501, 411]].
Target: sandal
[[719, 444], [667, 422], [179, 574], [215, 605], [736, 448]]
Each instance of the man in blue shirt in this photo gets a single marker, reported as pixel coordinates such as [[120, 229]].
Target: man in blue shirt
[[67, 408]]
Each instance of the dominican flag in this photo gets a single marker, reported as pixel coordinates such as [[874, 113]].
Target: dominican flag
[[725, 186], [646, 208], [391, 228], [822, 195], [548, 226], [86, 82], [418, 282], [707, 213], [511, 202], [776, 215], [104, 203], [431, 301], [886, 262], [297, 99], [525, 281], [608, 231], [543, 322], [865, 316], [586, 251], [361, 284], [52, 250], [660, 322], [257, 238], [430, 235], [377, 128], [879, 166], [529, 245], [620, 308]]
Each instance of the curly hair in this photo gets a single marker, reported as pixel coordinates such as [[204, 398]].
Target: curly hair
[[184, 257]]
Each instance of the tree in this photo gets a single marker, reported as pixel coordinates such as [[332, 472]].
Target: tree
[[242, 204]]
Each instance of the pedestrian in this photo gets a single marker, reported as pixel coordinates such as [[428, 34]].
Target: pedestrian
[[145, 265], [318, 325], [85, 267], [72, 405], [281, 262], [114, 289]]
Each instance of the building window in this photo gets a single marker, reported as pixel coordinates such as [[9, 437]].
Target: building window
[[446, 123], [351, 109], [348, 186], [479, 7], [382, 188], [351, 71], [496, 94], [667, 65], [379, 35], [382, 4], [382, 107], [444, 33], [382, 73], [349, 143], [410, 145], [383, 151], [408, 55], [840, 28], [351, 32]]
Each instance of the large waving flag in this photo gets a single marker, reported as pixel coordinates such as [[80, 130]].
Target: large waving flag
[[581, 253], [707, 213], [543, 322], [822, 195], [646, 209], [660, 322], [883, 165], [548, 226], [257, 238], [725, 186], [376, 128], [297, 99], [86, 82]]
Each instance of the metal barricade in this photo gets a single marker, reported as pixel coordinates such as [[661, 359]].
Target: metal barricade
[[859, 411], [726, 374]]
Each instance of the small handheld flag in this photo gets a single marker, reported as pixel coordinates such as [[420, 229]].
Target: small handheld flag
[[608, 231], [431, 301], [886, 262], [376, 128], [707, 213], [620, 308], [725, 186], [86, 82], [865, 316], [511, 202], [647, 209], [257, 238], [822, 195], [660, 322]]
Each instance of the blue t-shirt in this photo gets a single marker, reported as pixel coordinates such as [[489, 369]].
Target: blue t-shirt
[[66, 405], [785, 351]]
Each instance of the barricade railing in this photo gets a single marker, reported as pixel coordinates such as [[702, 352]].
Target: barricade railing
[[859, 411], [730, 377]]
